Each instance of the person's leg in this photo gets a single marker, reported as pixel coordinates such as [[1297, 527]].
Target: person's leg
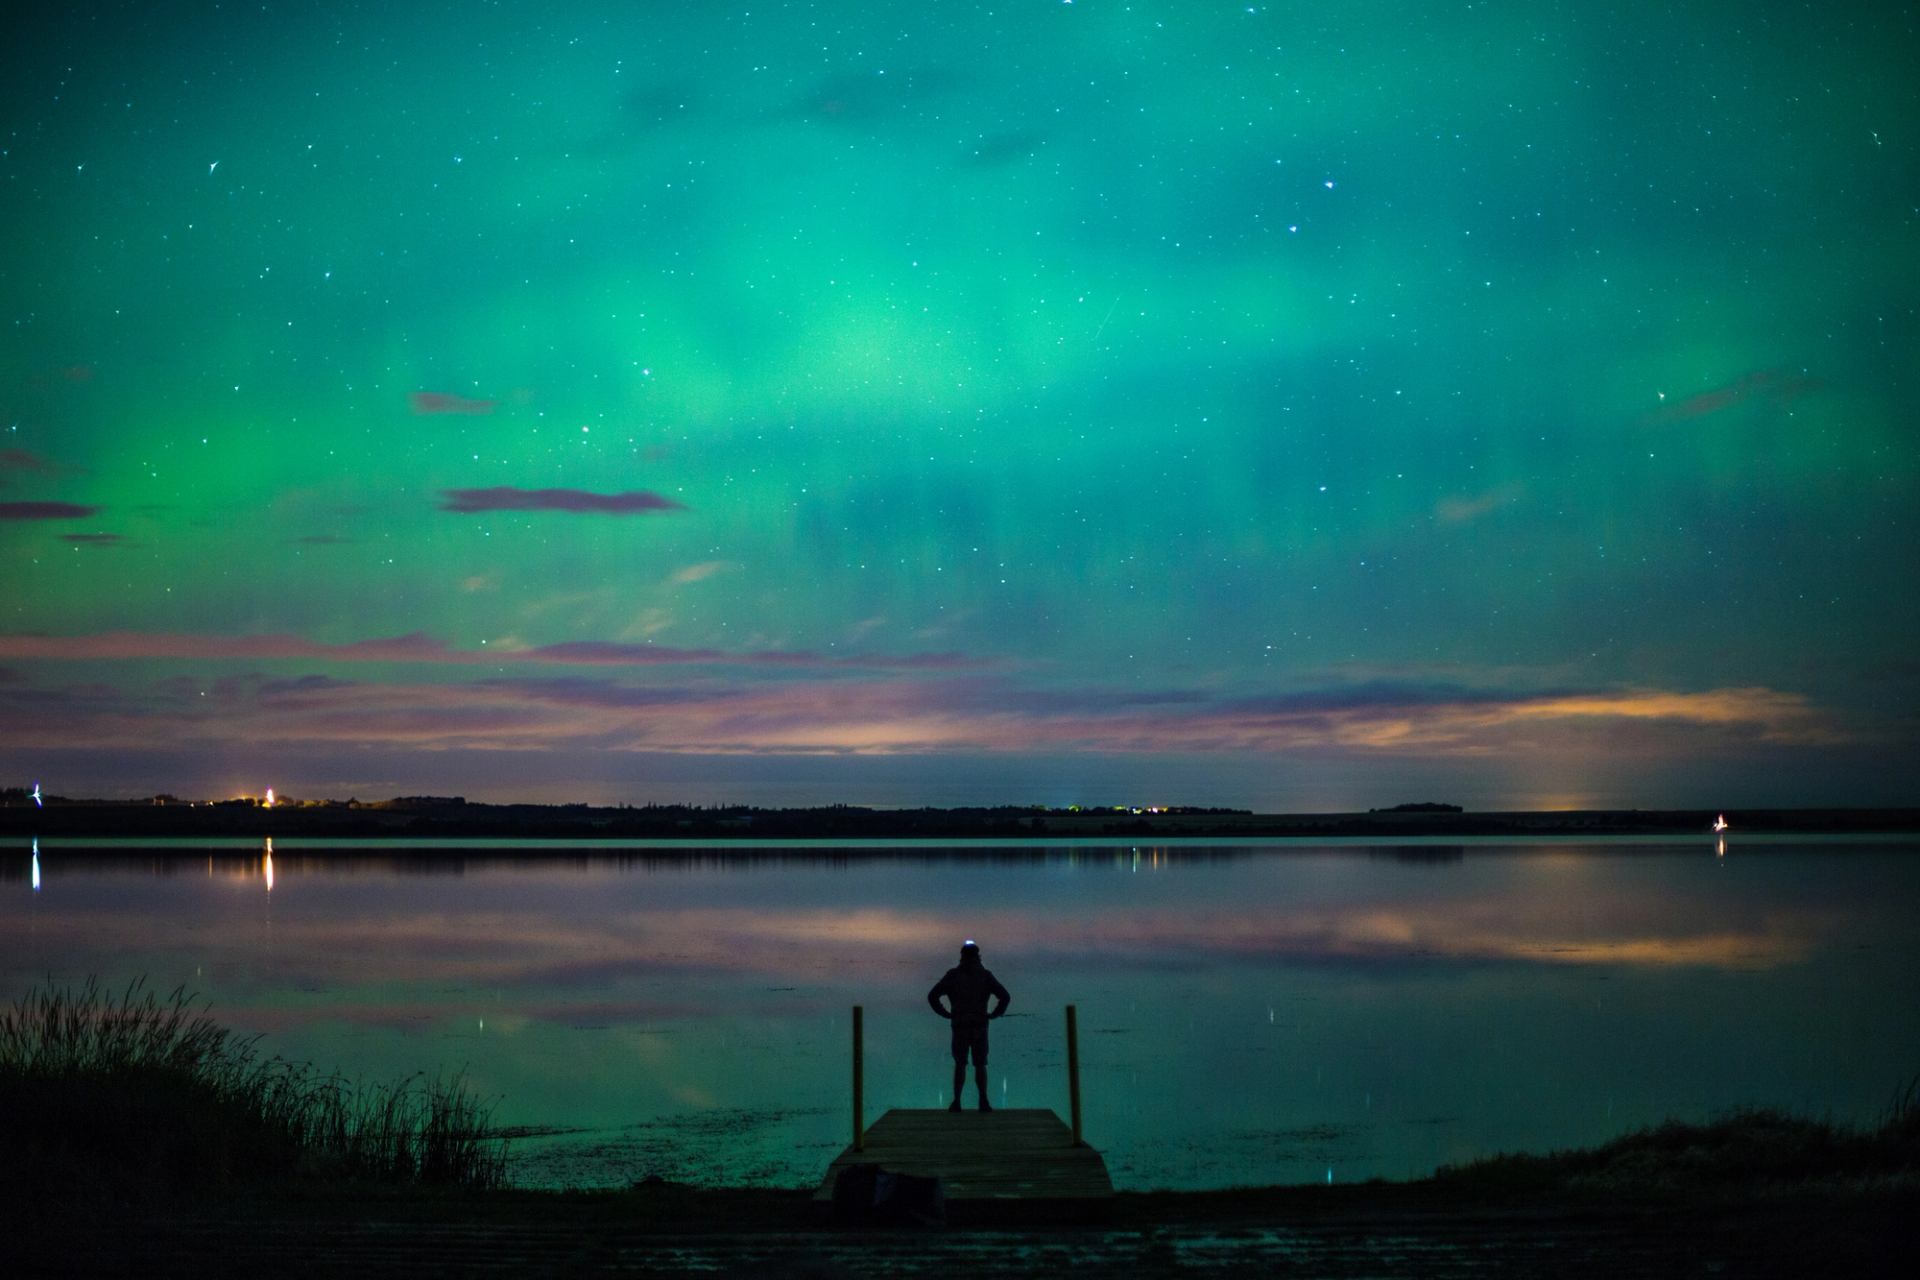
[[959, 1075]]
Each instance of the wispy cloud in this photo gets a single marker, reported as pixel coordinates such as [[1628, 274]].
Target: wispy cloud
[[576, 501], [1462, 508], [1773, 386], [95, 539], [45, 511], [22, 460], [701, 572], [418, 647], [130, 645], [863, 97], [432, 402], [903, 712]]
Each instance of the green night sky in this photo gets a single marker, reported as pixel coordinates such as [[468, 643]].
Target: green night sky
[[1287, 406]]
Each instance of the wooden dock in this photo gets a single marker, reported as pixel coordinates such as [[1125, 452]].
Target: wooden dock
[[1018, 1154]]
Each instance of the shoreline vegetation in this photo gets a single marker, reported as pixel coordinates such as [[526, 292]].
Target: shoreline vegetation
[[453, 817], [138, 1096], [138, 1128]]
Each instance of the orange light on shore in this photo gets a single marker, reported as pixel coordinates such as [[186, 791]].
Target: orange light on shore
[[268, 802], [1720, 823]]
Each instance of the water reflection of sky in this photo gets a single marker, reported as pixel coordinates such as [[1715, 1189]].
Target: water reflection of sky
[[1246, 1016]]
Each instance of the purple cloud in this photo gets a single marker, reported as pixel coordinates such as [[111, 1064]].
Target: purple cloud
[[113, 646], [1773, 386], [45, 511], [432, 402], [905, 715], [116, 646], [21, 460], [578, 501], [609, 653]]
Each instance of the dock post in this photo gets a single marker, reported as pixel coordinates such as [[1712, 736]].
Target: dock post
[[859, 1127], [1073, 1073]]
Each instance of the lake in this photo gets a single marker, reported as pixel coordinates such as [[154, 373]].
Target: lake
[[1261, 1012]]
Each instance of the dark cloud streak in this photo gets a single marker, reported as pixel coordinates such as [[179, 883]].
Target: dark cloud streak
[[428, 403], [121, 646], [1768, 386], [22, 460], [572, 501], [46, 511]]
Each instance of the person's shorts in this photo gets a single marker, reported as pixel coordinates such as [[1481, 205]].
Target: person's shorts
[[970, 1037]]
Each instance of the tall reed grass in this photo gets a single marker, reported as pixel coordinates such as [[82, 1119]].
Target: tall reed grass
[[141, 1093]]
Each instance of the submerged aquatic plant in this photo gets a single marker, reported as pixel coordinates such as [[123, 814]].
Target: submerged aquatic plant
[[141, 1093]]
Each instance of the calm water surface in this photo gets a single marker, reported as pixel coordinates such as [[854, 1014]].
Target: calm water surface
[[1248, 1014]]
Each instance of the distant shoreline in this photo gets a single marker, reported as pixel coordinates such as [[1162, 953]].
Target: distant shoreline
[[430, 819]]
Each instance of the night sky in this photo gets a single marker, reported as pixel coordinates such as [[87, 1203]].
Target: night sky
[[1287, 406]]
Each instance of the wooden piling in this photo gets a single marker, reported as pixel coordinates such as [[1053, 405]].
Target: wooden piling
[[859, 1128], [1073, 1073]]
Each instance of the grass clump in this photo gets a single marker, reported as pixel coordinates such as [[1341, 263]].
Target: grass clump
[[136, 1094], [1734, 1153]]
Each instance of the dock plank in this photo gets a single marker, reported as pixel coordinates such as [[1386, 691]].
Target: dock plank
[[1017, 1154]]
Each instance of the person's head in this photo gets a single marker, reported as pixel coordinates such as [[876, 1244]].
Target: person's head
[[969, 952]]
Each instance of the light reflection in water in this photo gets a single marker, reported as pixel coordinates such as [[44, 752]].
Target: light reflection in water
[[36, 864], [1438, 1007]]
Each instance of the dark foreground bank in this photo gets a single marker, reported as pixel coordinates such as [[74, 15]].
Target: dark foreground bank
[[1758, 1194], [1421, 1229]]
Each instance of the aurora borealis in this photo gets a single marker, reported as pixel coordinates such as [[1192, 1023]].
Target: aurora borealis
[[1296, 407]]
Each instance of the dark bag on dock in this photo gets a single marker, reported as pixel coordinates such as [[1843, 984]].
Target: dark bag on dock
[[865, 1195]]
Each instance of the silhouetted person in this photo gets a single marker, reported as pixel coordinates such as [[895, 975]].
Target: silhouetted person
[[966, 987]]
